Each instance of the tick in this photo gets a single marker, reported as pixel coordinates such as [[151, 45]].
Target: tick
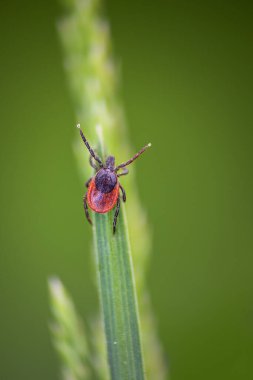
[[104, 187]]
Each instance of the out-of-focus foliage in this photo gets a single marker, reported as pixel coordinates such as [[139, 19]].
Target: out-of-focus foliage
[[68, 333]]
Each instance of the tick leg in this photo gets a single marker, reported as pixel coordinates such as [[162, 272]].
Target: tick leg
[[92, 163], [123, 192], [85, 206], [132, 159], [93, 154], [88, 182], [124, 172], [116, 215]]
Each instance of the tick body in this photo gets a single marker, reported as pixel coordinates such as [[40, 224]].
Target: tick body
[[103, 191], [104, 188]]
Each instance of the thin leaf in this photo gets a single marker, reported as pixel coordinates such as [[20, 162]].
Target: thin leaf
[[118, 298]]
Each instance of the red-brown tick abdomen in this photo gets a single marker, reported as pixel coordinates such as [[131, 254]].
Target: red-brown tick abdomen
[[101, 202]]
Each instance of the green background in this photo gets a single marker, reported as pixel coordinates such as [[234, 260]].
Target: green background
[[187, 84]]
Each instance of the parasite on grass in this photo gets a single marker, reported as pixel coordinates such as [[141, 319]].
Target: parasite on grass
[[104, 187]]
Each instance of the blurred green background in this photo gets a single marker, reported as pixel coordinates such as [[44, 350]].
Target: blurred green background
[[187, 84]]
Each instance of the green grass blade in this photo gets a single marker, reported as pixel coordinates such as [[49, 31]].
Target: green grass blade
[[117, 294], [118, 298]]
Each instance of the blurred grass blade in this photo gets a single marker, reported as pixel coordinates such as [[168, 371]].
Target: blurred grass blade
[[93, 80], [68, 334]]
